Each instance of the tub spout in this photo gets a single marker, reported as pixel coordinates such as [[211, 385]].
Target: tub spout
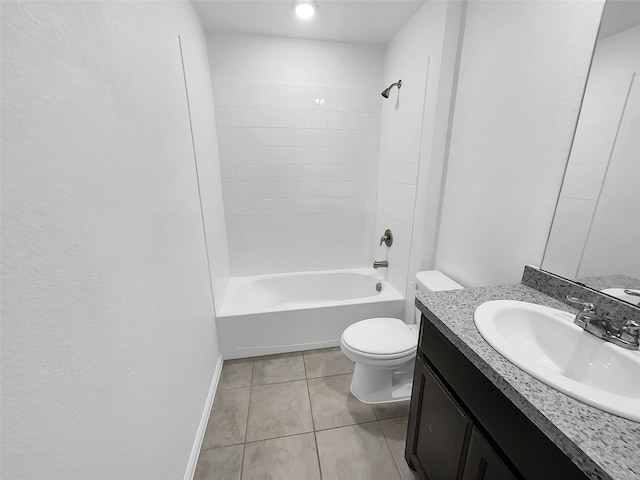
[[383, 263]]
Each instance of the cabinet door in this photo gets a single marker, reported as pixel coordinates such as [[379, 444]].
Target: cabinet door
[[438, 428], [483, 463]]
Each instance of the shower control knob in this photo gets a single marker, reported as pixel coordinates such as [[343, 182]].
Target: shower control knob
[[387, 238]]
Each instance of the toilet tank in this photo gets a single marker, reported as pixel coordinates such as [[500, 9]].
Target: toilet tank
[[433, 281]]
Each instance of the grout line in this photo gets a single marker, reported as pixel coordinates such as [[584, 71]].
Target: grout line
[[332, 375], [221, 446], [246, 427], [244, 448], [304, 364], [275, 438], [278, 383], [386, 441], [315, 439], [313, 422], [235, 388]]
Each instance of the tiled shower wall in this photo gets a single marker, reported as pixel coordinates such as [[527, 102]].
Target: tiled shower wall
[[299, 170]]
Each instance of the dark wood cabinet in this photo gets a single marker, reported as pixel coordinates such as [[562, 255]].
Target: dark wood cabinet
[[462, 427], [483, 462], [446, 445], [444, 425]]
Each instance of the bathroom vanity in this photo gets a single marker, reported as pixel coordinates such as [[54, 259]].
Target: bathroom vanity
[[475, 415]]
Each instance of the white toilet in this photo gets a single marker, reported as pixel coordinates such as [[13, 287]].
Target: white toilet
[[383, 349]]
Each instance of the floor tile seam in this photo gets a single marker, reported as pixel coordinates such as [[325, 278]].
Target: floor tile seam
[[387, 418], [313, 421], [323, 429], [304, 364], [234, 388], [278, 383], [246, 425], [244, 447], [315, 439], [328, 376], [222, 446], [347, 425], [386, 441], [279, 436]]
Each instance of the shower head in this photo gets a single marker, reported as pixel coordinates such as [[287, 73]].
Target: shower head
[[385, 92]]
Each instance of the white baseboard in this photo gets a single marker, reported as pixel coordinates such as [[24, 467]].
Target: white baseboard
[[197, 443]]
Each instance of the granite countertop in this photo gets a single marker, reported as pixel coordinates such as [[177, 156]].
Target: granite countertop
[[601, 444]]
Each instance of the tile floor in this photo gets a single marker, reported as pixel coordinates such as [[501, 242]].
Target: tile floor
[[291, 416]]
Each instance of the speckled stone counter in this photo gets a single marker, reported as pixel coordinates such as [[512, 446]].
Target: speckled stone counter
[[602, 445]]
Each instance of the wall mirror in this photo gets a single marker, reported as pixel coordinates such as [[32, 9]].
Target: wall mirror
[[595, 235]]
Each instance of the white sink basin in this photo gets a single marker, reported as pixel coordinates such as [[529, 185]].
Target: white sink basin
[[545, 343]]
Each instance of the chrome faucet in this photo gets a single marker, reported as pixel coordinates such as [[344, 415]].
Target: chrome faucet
[[383, 263], [590, 320]]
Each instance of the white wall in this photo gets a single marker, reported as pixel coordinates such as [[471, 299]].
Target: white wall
[[108, 333], [298, 124], [615, 61], [413, 55], [522, 74], [205, 143]]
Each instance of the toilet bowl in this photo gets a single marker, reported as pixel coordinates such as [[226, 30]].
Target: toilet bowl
[[384, 349]]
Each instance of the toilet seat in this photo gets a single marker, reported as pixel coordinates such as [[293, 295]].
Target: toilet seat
[[381, 338]]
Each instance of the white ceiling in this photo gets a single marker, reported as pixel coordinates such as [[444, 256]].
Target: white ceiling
[[360, 21]]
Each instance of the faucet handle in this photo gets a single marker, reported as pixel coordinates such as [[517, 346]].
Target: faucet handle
[[630, 326], [588, 307], [627, 336], [588, 313]]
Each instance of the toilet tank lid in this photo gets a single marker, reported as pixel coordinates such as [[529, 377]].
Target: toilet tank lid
[[435, 281]]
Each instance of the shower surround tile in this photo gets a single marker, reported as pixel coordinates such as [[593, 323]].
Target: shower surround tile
[[285, 457], [279, 409], [302, 144]]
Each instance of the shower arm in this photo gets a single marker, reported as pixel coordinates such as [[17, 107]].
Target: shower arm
[[385, 92]]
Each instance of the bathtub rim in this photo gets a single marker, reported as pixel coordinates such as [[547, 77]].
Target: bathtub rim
[[388, 293]]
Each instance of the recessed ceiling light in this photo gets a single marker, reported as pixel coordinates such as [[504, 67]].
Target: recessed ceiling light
[[305, 9]]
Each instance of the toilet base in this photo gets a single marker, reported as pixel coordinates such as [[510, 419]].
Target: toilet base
[[371, 384]]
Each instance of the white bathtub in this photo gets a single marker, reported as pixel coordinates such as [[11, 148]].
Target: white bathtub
[[290, 312]]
